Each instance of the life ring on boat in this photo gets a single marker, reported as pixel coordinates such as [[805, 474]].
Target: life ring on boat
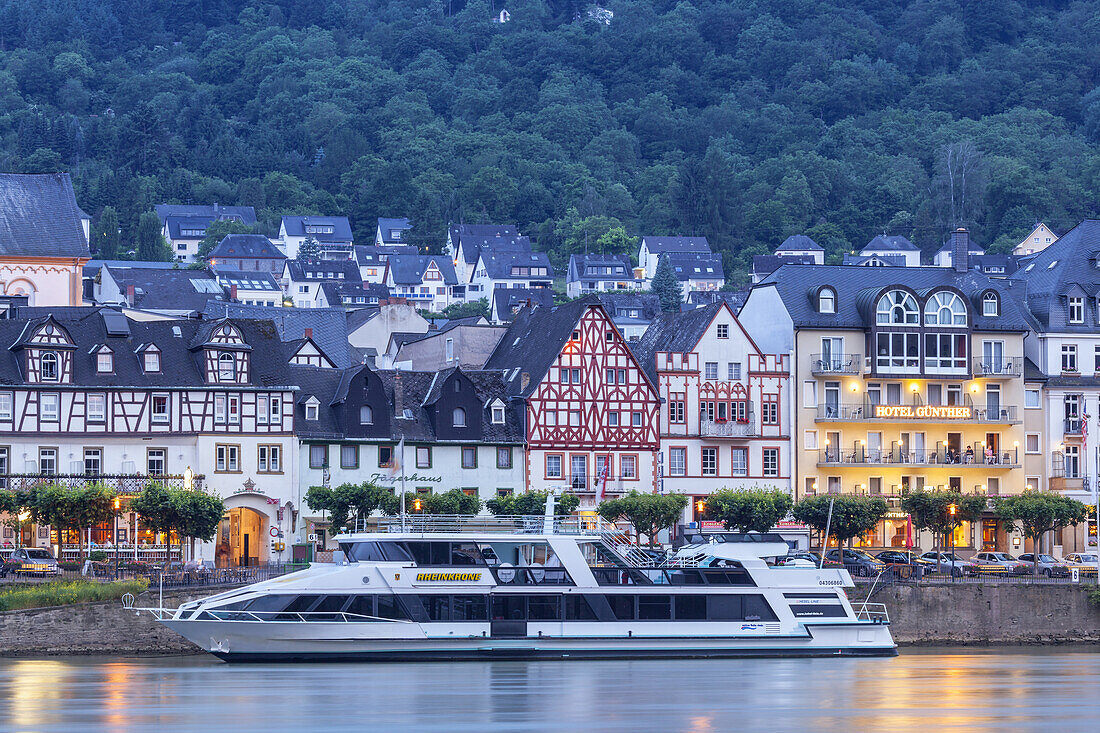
[[537, 573], [505, 573]]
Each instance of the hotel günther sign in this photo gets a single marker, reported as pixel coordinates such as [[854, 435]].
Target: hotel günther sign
[[934, 412]]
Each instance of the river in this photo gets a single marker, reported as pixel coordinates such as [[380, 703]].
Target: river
[[921, 690]]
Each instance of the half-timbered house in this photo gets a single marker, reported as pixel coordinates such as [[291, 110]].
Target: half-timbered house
[[91, 395], [591, 410], [725, 413]]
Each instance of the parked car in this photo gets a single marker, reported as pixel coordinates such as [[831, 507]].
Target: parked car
[[6, 563], [1084, 562], [904, 557], [804, 559], [35, 561], [949, 563], [1012, 564], [1048, 566], [858, 562]]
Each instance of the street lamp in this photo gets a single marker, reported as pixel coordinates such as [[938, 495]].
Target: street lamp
[[117, 506], [951, 511], [23, 516]]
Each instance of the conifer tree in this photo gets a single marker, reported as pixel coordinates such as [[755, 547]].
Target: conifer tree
[[666, 287]]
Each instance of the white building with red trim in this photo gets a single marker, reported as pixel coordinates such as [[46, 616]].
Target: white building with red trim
[[591, 410]]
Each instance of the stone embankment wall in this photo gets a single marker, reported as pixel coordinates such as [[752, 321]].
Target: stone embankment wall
[[989, 614], [95, 628], [928, 614]]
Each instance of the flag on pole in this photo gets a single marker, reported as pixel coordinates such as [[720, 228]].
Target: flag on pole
[[601, 480], [395, 459]]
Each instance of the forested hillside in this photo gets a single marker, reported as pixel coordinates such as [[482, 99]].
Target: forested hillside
[[742, 120]]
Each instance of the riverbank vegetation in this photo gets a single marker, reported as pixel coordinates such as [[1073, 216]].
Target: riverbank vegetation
[[65, 593]]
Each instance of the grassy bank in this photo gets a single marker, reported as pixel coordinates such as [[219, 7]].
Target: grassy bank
[[66, 593]]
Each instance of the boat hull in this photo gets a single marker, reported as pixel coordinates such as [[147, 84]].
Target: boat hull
[[298, 642]]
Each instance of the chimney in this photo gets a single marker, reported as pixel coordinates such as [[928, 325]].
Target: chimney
[[960, 249], [233, 292], [130, 292], [398, 401], [309, 334], [524, 380]]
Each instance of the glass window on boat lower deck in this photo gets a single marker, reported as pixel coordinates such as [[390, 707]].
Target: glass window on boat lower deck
[[544, 607], [691, 608], [578, 608], [622, 606], [729, 607], [654, 607], [438, 607], [469, 608]]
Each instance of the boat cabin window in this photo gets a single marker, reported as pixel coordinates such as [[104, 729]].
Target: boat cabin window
[[376, 551], [520, 554], [658, 607], [445, 553]]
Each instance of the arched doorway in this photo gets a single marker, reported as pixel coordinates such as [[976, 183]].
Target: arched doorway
[[242, 538]]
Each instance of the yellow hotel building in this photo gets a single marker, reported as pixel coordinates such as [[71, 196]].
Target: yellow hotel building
[[906, 378]]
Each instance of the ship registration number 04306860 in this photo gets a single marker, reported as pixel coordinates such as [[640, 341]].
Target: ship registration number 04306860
[[822, 581]]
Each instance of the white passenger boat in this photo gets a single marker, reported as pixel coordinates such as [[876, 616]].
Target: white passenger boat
[[533, 587]]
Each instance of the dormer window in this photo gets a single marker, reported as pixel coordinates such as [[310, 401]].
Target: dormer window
[[151, 362], [366, 415], [51, 371], [458, 418], [227, 367], [945, 309], [990, 305], [498, 414], [826, 301], [897, 308], [104, 362], [312, 409], [1076, 310]]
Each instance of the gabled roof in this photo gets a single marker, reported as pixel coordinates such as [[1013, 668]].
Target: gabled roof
[[856, 288], [375, 255], [296, 227], [410, 269], [799, 242], [246, 246], [498, 265], [386, 225], [247, 280], [699, 298], [765, 264], [620, 305], [873, 260], [506, 301], [592, 267], [694, 266], [167, 290], [676, 332], [890, 243], [328, 325], [336, 291], [473, 237], [657, 245], [317, 270], [207, 213], [1050, 274], [39, 217]]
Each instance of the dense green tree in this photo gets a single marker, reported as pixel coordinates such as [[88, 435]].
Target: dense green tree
[[667, 287], [748, 510], [106, 235], [932, 510], [71, 509], [151, 245], [852, 516], [648, 514], [468, 309], [1037, 512], [531, 503], [348, 503]]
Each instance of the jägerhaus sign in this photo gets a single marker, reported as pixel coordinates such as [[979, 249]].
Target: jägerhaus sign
[[933, 412]]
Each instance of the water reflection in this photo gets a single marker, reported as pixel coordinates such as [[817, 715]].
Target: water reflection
[[942, 690]]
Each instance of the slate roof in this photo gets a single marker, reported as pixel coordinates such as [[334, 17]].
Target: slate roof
[[765, 264], [891, 243], [375, 255], [307, 270], [694, 266], [534, 341], [386, 225], [474, 237], [498, 264], [167, 289], [507, 300], [591, 266], [1067, 265], [329, 325], [359, 316], [182, 366], [800, 242], [39, 217], [244, 214], [674, 332], [862, 260], [410, 269], [335, 291], [699, 298], [246, 246], [657, 245], [92, 267], [619, 305], [856, 289], [296, 227]]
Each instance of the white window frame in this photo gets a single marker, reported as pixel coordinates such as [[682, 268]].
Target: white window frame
[[809, 440], [160, 417], [1038, 437], [54, 413], [809, 393], [677, 467], [100, 415]]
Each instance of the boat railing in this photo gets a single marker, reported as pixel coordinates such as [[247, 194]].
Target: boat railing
[[480, 523], [162, 614], [874, 613]]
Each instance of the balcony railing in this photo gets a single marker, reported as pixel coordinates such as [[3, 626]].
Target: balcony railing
[[868, 457], [1071, 483], [728, 428], [1073, 427], [587, 485], [860, 412], [123, 484], [836, 363], [1008, 366]]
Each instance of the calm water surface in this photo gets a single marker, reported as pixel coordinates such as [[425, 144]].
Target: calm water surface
[[929, 690]]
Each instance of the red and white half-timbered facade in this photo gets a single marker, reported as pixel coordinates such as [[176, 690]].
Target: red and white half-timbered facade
[[725, 405], [591, 410]]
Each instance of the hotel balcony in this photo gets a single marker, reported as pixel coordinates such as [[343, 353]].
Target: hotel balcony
[[998, 367], [862, 456], [1073, 427], [916, 413], [129, 484], [1070, 483], [728, 428], [827, 364]]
